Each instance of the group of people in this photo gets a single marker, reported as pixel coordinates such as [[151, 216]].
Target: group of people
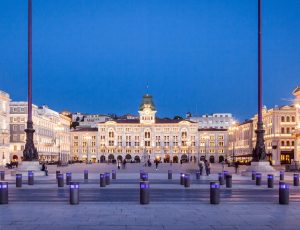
[[204, 165], [123, 164]]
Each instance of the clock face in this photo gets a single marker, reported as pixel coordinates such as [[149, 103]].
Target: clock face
[[147, 111]]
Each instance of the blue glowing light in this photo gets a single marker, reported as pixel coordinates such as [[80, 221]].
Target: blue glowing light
[[144, 186], [74, 186], [283, 186], [258, 175], [215, 186]]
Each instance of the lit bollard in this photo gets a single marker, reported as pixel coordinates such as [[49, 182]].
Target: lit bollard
[[56, 174], [214, 193], [181, 178], [74, 193], [296, 179], [144, 192], [141, 174], [198, 175], [270, 181], [145, 177], [258, 179], [228, 181], [113, 174], [187, 180], [68, 178], [221, 178], [102, 180], [281, 175], [86, 174], [169, 174], [2, 175], [253, 175], [3, 192], [284, 193], [60, 180], [30, 178], [18, 180], [107, 178]]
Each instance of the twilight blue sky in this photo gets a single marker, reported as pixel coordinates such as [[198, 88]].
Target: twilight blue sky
[[97, 56]]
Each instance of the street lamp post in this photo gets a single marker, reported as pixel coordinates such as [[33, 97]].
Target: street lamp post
[[188, 143], [58, 130], [87, 138], [198, 152], [233, 145], [205, 148]]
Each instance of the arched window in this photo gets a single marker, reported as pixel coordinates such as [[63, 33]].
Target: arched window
[[147, 134], [111, 134], [282, 130], [287, 119], [282, 119], [293, 119], [288, 143], [282, 143]]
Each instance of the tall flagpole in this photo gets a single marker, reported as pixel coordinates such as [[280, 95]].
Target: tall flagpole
[[259, 153], [30, 152]]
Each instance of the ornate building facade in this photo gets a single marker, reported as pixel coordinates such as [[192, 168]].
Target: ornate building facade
[[148, 137], [4, 128], [52, 132], [281, 125]]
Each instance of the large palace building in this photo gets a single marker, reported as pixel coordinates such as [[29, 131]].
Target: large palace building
[[145, 137]]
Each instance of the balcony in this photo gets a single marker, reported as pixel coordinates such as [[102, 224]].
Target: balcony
[[4, 131]]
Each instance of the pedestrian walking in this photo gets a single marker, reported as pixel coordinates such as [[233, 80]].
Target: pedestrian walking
[[201, 163], [207, 167], [156, 164], [236, 165]]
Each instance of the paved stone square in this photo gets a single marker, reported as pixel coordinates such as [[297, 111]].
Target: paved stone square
[[153, 216], [172, 206]]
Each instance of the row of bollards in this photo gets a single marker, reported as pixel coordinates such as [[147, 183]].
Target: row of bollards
[[225, 178], [185, 179]]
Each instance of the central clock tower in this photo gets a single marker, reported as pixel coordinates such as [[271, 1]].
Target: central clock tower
[[147, 110]]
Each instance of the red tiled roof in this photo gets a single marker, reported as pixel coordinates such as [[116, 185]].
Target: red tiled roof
[[84, 129], [157, 121], [212, 129]]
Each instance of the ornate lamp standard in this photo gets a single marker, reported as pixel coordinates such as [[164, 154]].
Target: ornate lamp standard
[[30, 152], [58, 130]]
